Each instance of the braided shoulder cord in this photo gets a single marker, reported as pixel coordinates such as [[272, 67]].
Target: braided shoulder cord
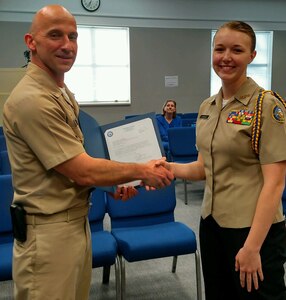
[[255, 136]]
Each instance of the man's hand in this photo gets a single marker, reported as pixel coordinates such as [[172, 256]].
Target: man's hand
[[124, 193], [157, 175]]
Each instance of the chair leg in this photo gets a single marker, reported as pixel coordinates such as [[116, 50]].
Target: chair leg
[[117, 279], [174, 265], [198, 275], [123, 277], [106, 274], [185, 190]]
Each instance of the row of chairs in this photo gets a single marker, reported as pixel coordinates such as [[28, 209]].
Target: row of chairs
[[144, 227], [141, 229]]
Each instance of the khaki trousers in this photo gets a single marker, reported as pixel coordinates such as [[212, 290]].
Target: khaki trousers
[[54, 263]]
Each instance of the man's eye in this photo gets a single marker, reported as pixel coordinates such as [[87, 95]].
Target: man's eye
[[54, 35], [73, 36]]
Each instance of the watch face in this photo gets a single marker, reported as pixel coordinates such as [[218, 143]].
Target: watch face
[[90, 5]]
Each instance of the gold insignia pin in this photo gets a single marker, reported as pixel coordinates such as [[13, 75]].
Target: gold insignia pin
[[244, 96]]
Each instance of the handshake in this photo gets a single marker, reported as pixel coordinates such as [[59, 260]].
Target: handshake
[[156, 174]]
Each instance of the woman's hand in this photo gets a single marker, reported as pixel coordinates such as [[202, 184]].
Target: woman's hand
[[248, 263]]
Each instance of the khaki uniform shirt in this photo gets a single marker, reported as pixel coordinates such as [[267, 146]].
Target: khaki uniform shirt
[[233, 171], [42, 131]]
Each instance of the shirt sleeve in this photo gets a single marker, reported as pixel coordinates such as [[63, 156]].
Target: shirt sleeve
[[272, 142], [49, 131]]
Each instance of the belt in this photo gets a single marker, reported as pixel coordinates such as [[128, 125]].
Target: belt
[[65, 216]]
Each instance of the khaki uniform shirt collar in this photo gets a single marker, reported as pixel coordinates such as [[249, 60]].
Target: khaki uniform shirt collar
[[43, 78], [243, 95], [48, 83]]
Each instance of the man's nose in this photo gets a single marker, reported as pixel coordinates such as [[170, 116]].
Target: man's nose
[[66, 42]]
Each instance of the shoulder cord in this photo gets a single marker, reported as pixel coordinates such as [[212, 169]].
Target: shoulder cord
[[255, 136]]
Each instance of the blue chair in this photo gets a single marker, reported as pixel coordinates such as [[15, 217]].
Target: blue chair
[[3, 146], [182, 145], [5, 167], [6, 231], [189, 122], [145, 228], [1, 130], [90, 129], [104, 246], [193, 115], [93, 137], [130, 116]]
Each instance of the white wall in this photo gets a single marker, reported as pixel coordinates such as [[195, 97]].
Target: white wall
[[263, 14]]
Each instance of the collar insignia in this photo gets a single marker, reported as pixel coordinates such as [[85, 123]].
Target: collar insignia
[[241, 117], [244, 96], [277, 114]]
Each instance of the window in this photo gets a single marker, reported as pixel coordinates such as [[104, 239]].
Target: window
[[101, 72], [261, 67]]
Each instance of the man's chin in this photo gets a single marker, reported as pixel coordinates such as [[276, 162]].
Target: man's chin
[[66, 68]]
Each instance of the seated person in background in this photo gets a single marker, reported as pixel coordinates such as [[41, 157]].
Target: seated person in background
[[167, 120]]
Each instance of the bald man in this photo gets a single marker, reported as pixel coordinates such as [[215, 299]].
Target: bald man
[[52, 173]]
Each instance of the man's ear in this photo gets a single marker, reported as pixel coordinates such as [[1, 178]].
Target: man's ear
[[30, 42]]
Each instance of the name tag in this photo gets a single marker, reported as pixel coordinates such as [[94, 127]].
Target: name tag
[[241, 117]]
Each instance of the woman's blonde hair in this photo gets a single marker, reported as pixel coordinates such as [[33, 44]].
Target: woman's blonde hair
[[241, 27]]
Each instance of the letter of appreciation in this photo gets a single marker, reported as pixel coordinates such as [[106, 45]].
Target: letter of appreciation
[[134, 141]]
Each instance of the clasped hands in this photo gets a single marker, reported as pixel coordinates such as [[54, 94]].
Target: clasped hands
[[158, 176]]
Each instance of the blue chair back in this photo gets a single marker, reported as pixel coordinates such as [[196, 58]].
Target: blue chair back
[[6, 230], [3, 146], [97, 210], [189, 122], [193, 115], [6, 198], [5, 167], [130, 116], [146, 208], [182, 143], [91, 131], [104, 246]]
